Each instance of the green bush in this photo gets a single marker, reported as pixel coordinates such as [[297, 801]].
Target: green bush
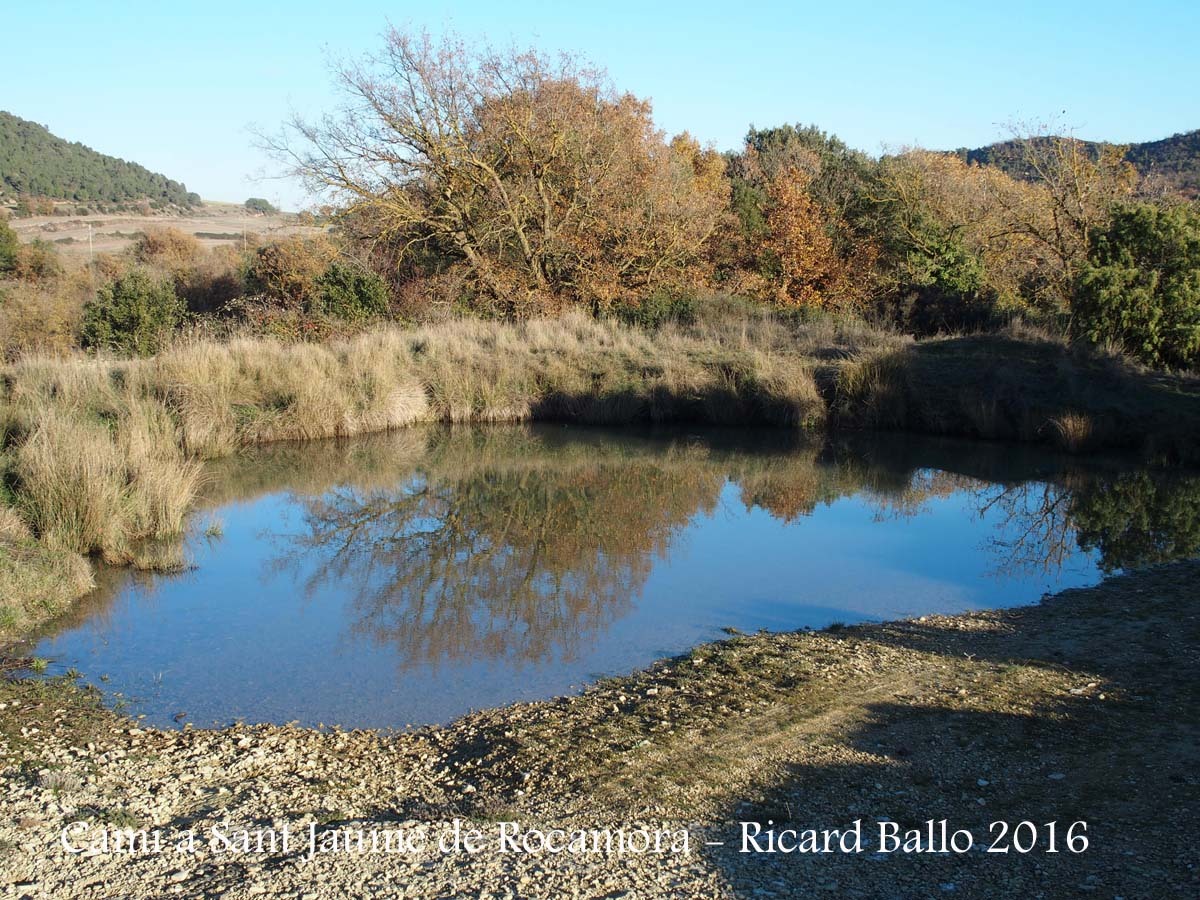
[[259, 205], [657, 309], [133, 314], [1140, 288], [350, 293], [947, 289], [8, 248]]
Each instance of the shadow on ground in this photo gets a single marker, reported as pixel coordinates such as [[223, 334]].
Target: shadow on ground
[[1081, 709]]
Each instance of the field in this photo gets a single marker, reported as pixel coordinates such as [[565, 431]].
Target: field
[[213, 224]]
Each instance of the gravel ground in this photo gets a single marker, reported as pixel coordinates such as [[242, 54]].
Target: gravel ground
[[1080, 708]]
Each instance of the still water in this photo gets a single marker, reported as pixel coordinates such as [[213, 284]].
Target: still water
[[408, 578]]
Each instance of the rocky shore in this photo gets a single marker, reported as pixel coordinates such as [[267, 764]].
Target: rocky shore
[[1082, 708]]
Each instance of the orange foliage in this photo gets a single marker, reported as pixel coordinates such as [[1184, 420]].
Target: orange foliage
[[532, 174], [167, 248], [813, 270], [800, 240]]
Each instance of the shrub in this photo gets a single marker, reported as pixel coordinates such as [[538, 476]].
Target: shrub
[[9, 248], [287, 270], [657, 309], [351, 293], [132, 314], [947, 289], [39, 317], [168, 248], [1140, 288], [37, 261], [259, 205]]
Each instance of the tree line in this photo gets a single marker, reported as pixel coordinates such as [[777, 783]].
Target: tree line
[[516, 183], [462, 179], [1170, 164]]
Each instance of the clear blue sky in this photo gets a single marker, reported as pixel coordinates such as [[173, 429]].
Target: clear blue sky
[[177, 85]]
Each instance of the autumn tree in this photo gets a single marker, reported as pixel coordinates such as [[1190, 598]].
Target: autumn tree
[[168, 249], [800, 234], [287, 271], [952, 257], [809, 268], [839, 177], [1080, 184], [533, 174]]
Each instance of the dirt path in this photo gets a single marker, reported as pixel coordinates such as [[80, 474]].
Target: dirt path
[[1082, 708]]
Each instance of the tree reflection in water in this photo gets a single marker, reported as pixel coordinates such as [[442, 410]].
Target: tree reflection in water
[[505, 544], [1129, 519], [519, 562]]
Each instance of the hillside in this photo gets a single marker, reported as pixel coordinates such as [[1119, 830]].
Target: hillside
[[1175, 160], [36, 163]]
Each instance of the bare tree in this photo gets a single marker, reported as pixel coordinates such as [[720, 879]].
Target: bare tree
[[533, 173], [1079, 184]]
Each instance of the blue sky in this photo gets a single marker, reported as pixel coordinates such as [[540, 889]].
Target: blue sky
[[178, 86]]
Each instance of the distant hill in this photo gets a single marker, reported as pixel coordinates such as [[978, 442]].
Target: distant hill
[[36, 163], [1174, 160]]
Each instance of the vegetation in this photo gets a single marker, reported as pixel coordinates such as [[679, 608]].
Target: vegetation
[[9, 248], [35, 163], [259, 205], [287, 271], [101, 453], [505, 184], [1023, 386], [1171, 164], [36, 581], [532, 179], [1140, 288], [133, 315], [351, 293], [783, 284]]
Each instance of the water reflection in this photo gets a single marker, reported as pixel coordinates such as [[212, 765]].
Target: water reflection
[[430, 571], [499, 560], [1129, 519], [521, 545]]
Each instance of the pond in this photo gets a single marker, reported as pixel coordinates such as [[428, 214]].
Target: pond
[[408, 578]]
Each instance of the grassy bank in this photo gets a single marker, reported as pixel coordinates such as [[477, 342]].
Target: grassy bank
[[100, 456], [1022, 387]]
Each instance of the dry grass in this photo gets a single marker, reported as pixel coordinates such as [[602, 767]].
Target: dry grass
[[36, 582], [41, 317], [90, 487], [1022, 387]]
